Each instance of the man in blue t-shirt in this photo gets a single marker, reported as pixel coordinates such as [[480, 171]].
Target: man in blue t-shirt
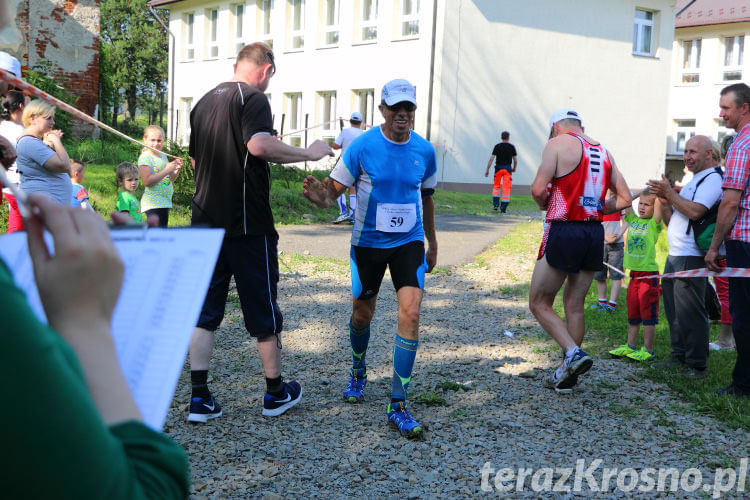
[[394, 172]]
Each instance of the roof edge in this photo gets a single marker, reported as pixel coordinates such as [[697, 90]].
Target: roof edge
[[158, 3], [701, 23]]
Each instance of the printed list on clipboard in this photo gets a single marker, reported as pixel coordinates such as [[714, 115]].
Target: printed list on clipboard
[[167, 273]]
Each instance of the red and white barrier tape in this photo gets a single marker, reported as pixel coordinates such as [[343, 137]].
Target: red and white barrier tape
[[32, 90], [728, 272]]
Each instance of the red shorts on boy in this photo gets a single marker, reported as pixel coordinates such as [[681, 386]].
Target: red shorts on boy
[[643, 298]]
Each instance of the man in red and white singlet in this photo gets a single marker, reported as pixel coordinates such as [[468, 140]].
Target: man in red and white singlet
[[571, 185]]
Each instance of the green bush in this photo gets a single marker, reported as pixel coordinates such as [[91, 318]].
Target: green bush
[[184, 186]]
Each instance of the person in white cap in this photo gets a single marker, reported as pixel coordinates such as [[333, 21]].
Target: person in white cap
[[342, 142], [395, 172], [571, 185], [11, 64]]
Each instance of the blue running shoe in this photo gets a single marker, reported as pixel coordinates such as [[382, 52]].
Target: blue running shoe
[[579, 363], [355, 391], [273, 406], [399, 416], [202, 410]]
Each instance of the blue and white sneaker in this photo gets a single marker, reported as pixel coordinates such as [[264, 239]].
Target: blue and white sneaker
[[202, 410], [579, 363], [355, 391], [273, 406], [561, 385], [399, 416], [341, 218]]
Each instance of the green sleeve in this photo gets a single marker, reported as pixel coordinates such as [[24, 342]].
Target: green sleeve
[[55, 443], [121, 205]]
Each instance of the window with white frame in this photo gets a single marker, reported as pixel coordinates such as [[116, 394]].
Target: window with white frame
[[691, 61], [722, 131], [293, 112], [212, 31], [364, 102], [409, 18], [188, 22], [643, 32], [330, 15], [327, 111], [183, 129], [238, 27], [368, 20], [263, 21], [683, 131], [296, 24], [733, 48]]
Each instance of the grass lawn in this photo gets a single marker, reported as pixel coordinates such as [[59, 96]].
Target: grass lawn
[[605, 331], [478, 204]]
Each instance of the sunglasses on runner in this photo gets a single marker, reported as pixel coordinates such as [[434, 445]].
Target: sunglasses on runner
[[270, 59], [406, 105]]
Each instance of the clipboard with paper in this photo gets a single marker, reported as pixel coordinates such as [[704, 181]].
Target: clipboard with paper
[[167, 273]]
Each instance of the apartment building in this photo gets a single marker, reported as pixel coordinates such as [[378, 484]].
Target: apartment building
[[708, 55], [479, 66]]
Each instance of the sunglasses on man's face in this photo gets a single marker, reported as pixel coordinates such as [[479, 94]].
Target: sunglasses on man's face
[[406, 105], [269, 58]]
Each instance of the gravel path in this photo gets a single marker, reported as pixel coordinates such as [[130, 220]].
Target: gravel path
[[494, 409]]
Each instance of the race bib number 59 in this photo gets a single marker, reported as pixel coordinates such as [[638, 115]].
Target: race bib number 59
[[396, 217]]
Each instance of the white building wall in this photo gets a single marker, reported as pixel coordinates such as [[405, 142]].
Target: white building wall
[[499, 65], [349, 66], [699, 101], [507, 65]]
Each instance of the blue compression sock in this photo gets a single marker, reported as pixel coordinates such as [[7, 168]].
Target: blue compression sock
[[352, 204], [342, 204], [404, 353], [359, 338]]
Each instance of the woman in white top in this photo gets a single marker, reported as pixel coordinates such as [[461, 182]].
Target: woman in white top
[[11, 127]]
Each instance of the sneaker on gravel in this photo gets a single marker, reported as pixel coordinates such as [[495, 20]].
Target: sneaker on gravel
[[640, 355], [202, 410], [341, 218], [399, 416], [621, 351], [273, 406], [560, 386], [579, 363], [355, 391]]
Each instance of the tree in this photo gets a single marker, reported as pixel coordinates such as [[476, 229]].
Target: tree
[[135, 47]]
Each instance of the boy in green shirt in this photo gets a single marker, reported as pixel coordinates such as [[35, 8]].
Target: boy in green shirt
[[643, 294], [127, 178]]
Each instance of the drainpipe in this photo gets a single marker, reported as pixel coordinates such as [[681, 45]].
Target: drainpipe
[[432, 69], [171, 71]]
